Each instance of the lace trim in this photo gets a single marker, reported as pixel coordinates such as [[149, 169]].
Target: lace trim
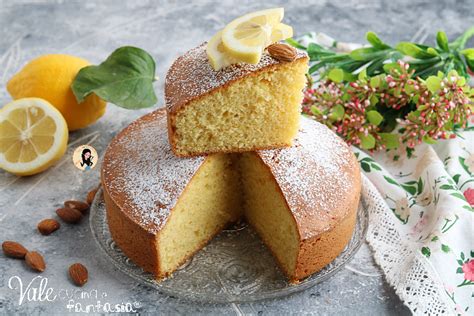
[[415, 280]]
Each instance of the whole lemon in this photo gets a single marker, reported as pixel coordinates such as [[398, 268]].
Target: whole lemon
[[50, 77]]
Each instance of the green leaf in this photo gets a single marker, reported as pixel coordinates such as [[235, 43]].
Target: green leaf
[[419, 186], [390, 66], [442, 41], [433, 83], [456, 178], [349, 77], [462, 256], [336, 75], [367, 53], [426, 252], [337, 113], [375, 82], [365, 166], [391, 181], [410, 189], [390, 140], [363, 74], [294, 43], [461, 81], [435, 238], [367, 141], [468, 208], [374, 117], [461, 41], [375, 166], [374, 100], [125, 78], [468, 52], [458, 195], [413, 50], [445, 248], [432, 51], [446, 187], [463, 165], [314, 109], [459, 270], [375, 41], [427, 139], [316, 67]]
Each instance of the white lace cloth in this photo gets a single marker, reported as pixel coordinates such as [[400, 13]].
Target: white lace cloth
[[421, 220]]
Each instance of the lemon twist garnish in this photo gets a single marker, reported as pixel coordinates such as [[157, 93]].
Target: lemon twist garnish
[[245, 38]]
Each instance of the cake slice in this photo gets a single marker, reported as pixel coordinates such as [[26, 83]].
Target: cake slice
[[161, 209], [242, 107]]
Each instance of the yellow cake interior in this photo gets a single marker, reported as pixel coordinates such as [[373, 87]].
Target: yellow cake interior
[[214, 198], [256, 111], [210, 202], [267, 212]]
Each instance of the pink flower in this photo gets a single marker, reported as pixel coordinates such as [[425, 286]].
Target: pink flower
[[468, 269], [469, 195]]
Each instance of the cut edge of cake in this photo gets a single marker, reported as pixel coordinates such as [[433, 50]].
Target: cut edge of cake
[[208, 113], [145, 248]]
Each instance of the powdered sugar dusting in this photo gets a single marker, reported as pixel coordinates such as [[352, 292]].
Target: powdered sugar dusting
[[313, 175], [149, 187], [191, 75]]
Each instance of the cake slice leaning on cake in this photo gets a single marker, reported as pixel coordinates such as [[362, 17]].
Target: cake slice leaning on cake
[[236, 106], [161, 209]]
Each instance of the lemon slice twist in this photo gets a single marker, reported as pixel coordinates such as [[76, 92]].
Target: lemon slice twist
[[245, 38]]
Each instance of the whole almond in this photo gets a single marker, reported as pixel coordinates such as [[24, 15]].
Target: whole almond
[[13, 249], [78, 205], [35, 261], [78, 274], [91, 196], [48, 226], [282, 52], [69, 215]]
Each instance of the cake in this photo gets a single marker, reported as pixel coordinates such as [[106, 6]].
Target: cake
[[161, 209], [242, 107]]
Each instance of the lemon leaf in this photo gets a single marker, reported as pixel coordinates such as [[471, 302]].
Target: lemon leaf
[[367, 141], [337, 113], [374, 117], [390, 140], [336, 75], [125, 78], [433, 83]]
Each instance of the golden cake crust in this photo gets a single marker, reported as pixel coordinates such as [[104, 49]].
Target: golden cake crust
[[191, 77], [142, 180], [141, 174], [319, 178]]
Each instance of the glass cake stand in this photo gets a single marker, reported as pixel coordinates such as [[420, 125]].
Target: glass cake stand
[[235, 267]]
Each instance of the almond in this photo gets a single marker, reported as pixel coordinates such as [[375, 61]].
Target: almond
[[35, 261], [48, 226], [69, 215], [78, 274], [91, 196], [78, 205], [282, 52], [13, 249]]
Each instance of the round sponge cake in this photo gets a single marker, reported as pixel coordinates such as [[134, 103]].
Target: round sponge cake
[[161, 209]]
